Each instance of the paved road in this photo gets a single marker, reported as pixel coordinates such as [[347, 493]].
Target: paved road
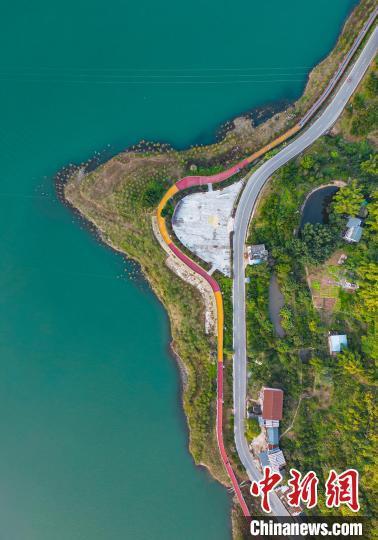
[[243, 215]]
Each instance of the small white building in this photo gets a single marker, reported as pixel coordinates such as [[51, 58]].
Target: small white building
[[337, 343], [347, 285], [268, 423], [257, 254], [353, 230]]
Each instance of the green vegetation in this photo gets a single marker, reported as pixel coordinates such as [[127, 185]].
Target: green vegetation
[[367, 117], [370, 166], [348, 199], [252, 429], [361, 118], [335, 424], [207, 171], [123, 211], [226, 286], [318, 242], [153, 192], [259, 328], [119, 197], [372, 219]]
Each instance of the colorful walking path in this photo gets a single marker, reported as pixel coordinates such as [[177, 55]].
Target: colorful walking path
[[184, 183], [190, 181]]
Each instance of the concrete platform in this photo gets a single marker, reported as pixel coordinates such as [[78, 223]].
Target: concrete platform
[[202, 222]]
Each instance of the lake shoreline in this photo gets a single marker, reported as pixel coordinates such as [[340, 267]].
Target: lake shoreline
[[221, 152], [60, 181]]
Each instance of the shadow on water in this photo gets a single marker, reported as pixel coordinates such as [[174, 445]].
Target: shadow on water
[[315, 209]]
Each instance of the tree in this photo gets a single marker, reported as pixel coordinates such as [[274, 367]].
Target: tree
[[298, 249], [370, 166], [372, 85], [307, 162], [351, 362], [359, 102], [372, 220], [287, 319], [370, 344], [320, 241], [348, 199], [368, 291], [154, 191]]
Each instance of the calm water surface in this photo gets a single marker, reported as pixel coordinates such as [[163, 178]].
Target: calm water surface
[[92, 443], [315, 209]]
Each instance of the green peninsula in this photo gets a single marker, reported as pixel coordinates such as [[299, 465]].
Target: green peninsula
[[120, 197]]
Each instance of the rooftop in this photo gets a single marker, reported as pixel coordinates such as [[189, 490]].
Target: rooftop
[[337, 343], [273, 435], [257, 253], [272, 401], [353, 232], [353, 222], [264, 460], [273, 459]]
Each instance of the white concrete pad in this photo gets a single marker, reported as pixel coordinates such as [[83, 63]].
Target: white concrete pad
[[203, 223]]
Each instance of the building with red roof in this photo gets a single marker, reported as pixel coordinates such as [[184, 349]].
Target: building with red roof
[[272, 402]]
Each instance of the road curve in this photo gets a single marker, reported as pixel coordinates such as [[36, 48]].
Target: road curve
[[199, 180], [242, 218], [180, 185]]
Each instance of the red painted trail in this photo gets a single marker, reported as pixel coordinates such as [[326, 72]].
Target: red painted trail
[[219, 423], [194, 266], [190, 181], [222, 449]]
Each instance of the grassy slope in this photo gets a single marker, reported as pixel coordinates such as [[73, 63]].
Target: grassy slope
[[119, 198], [126, 224]]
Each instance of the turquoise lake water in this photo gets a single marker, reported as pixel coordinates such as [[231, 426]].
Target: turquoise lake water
[[93, 443]]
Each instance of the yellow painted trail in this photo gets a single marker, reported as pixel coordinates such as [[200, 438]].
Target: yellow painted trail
[[178, 186]]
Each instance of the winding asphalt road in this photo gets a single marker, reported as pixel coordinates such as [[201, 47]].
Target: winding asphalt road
[[242, 218]]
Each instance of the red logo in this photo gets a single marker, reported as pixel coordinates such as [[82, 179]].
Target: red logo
[[303, 489], [339, 489], [342, 489], [269, 481]]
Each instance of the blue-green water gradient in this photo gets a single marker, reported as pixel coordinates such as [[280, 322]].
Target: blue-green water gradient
[[93, 444]]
